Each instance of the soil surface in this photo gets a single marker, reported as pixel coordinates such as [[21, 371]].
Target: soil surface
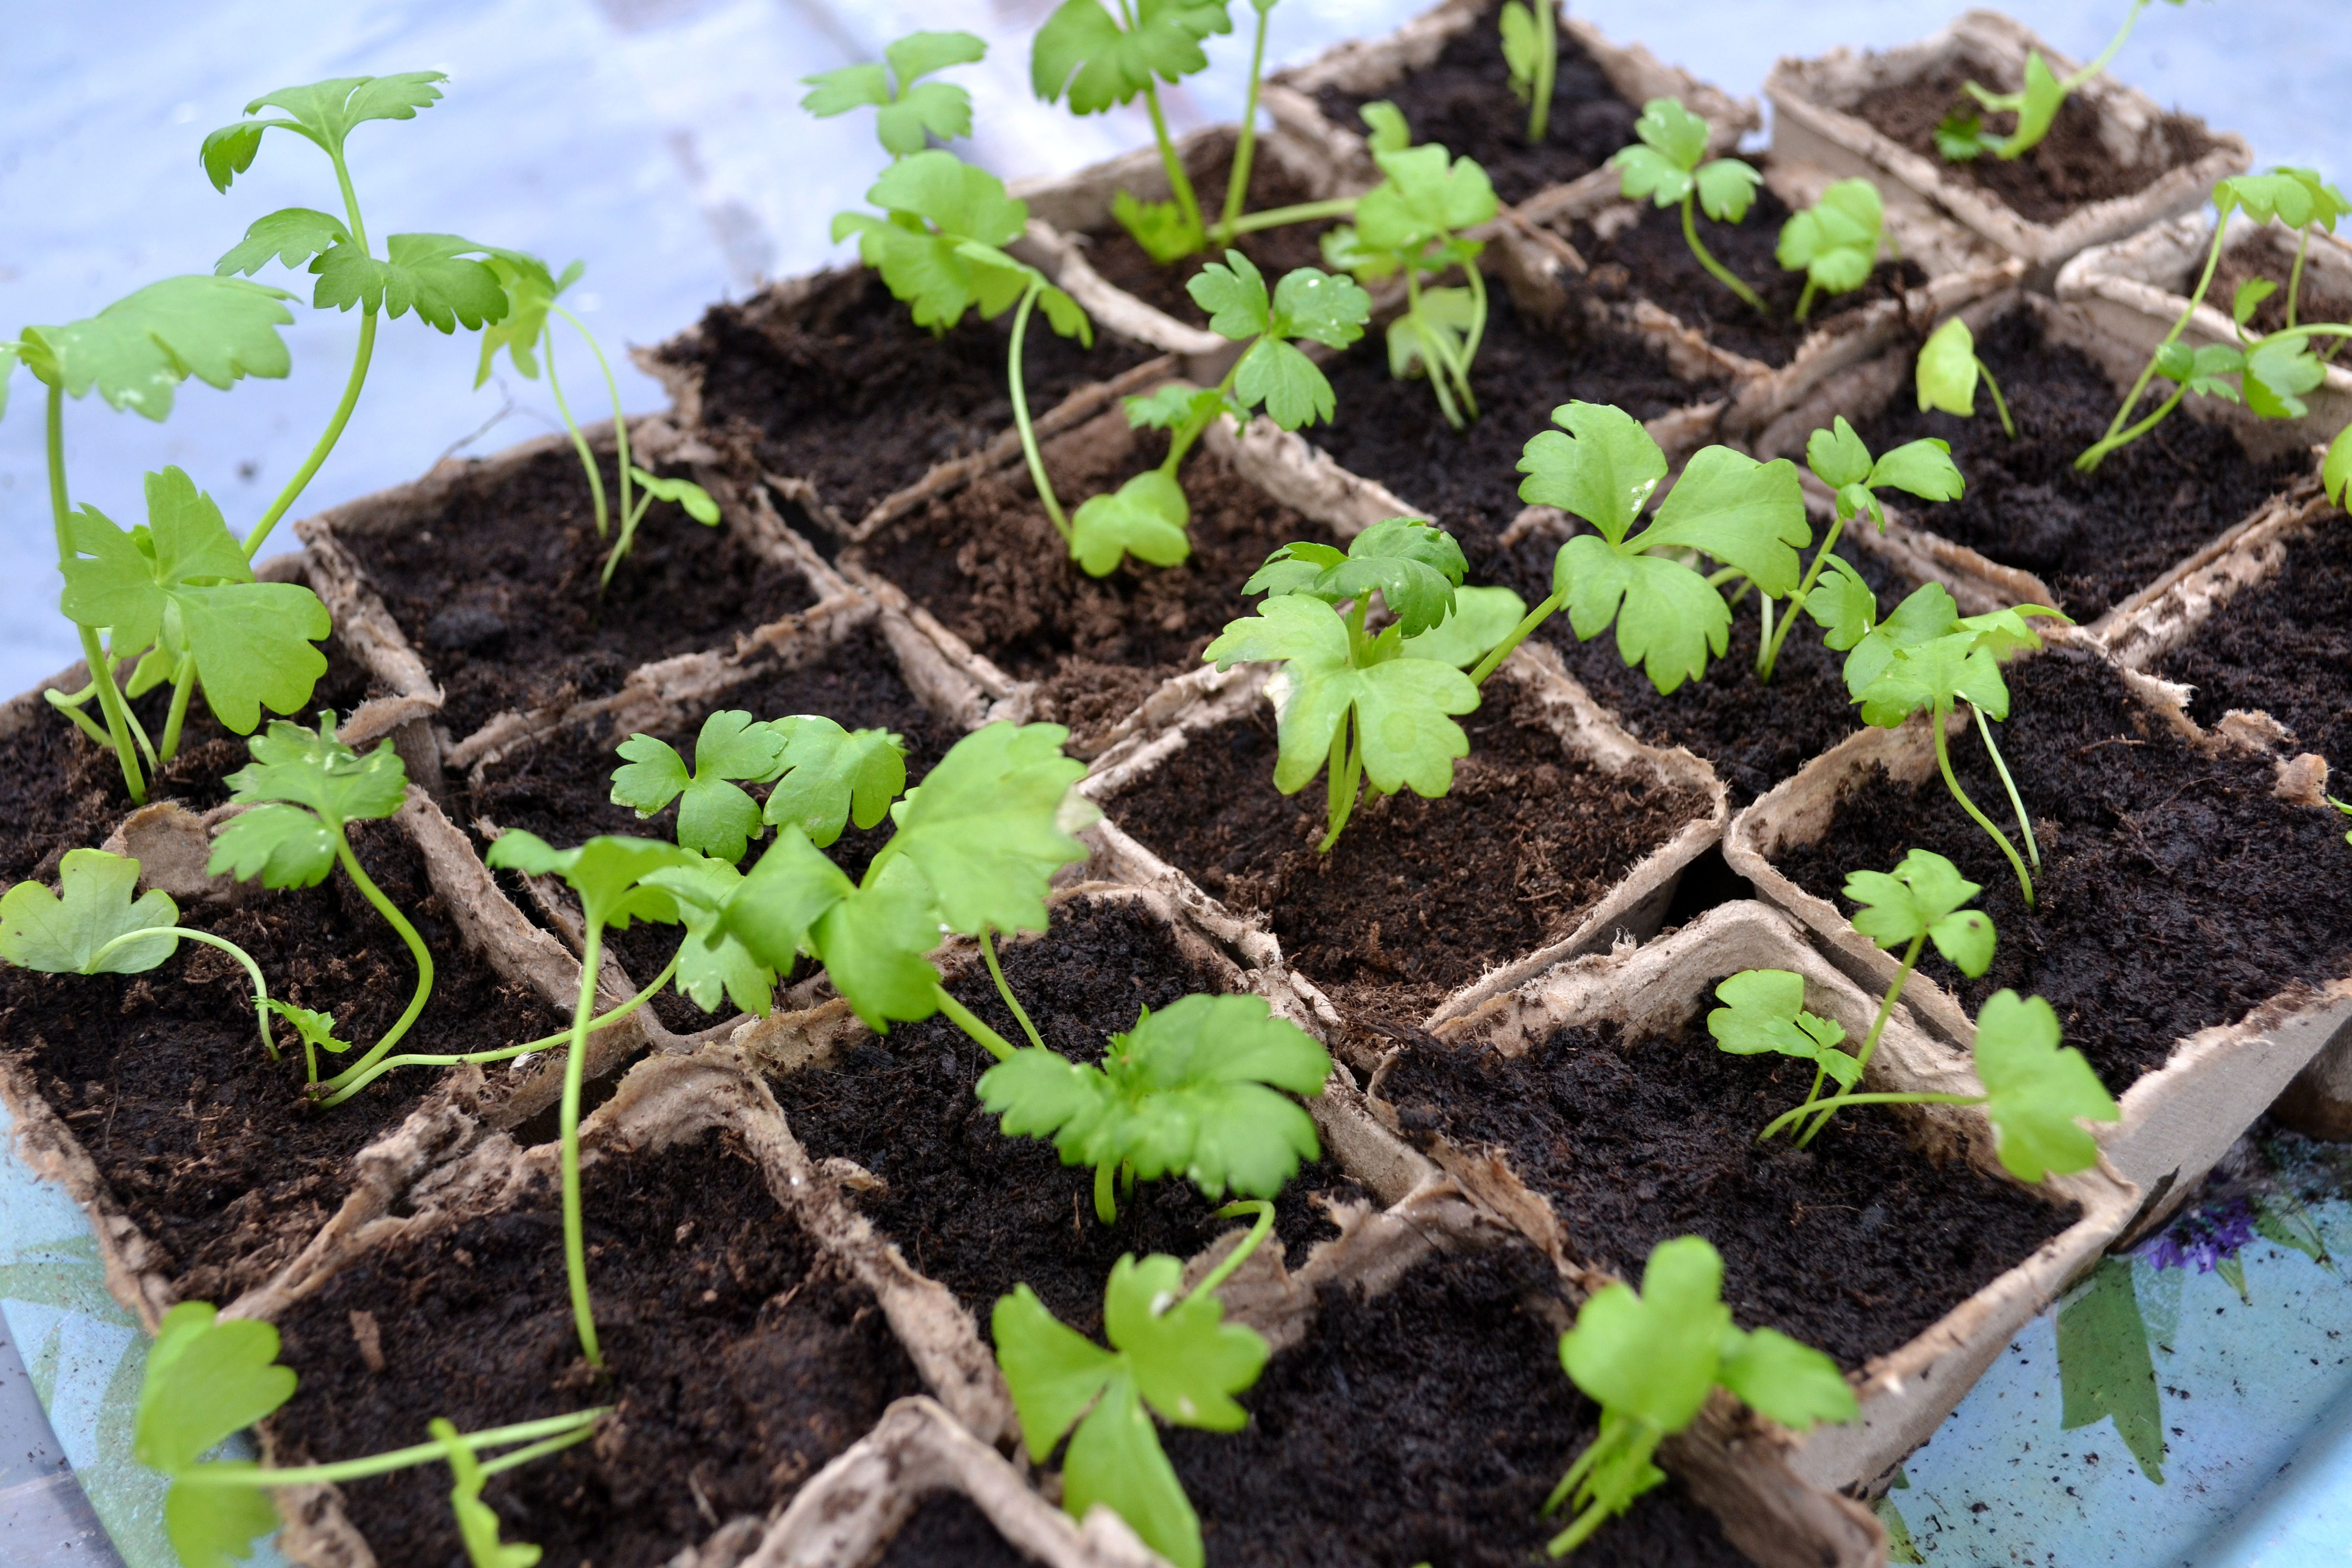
[[738, 1360], [2095, 539], [2176, 891], [851, 395], [499, 593], [1650, 258], [1426, 1426], [203, 1140], [1853, 1246], [2245, 262], [1465, 103], [2284, 647], [990, 564], [2067, 170], [978, 1211], [1114, 253], [1419, 897], [947, 1531]]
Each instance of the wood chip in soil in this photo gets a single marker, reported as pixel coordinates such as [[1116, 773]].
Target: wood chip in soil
[[1113, 253], [1419, 897], [862, 403], [1649, 259], [740, 1359], [990, 564], [1464, 103], [2282, 647], [978, 1211], [499, 592], [205, 1141], [947, 1530], [1854, 1245], [1424, 1426], [2176, 891], [2069, 169], [2098, 537]]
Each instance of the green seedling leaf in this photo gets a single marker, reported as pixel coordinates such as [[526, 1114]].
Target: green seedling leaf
[[992, 823], [863, 86], [2336, 472], [1438, 331], [1933, 676], [2202, 370], [1083, 52], [2278, 370], [324, 113], [1522, 49], [1166, 234], [833, 776], [940, 208], [1604, 469], [1834, 242], [1413, 566], [1663, 163], [2249, 298], [1424, 200], [1764, 1011], [608, 873], [2295, 197], [1481, 619], [2044, 94], [303, 785], [683, 492], [712, 964], [139, 348], [1385, 129], [531, 288], [873, 943], [1726, 189], [715, 815], [206, 1378], [1843, 604], [62, 934], [1923, 897], [1307, 304], [1145, 518], [316, 1030], [1927, 613], [477, 1522], [289, 237], [436, 275], [1840, 460], [917, 111], [2037, 1093], [1173, 405], [1947, 375]]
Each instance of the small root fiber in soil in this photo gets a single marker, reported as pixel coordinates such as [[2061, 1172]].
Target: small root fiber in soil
[[2097, 538], [738, 1357], [499, 593], [1465, 103], [1112, 252], [2069, 169], [1855, 1245], [1424, 1426], [2176, 892], [203, 1140], [978, 1211]]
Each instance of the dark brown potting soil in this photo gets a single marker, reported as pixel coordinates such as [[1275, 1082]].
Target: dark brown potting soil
[[2069, 169], [1464, 103], [1424, 1426], [738, 1360], [203, 1140], [978, 1211], [990, 564], [2282, 647], [856, 399], [2247, 261], [2176, 892], [499, 593], [1419, 897], [946, 1531], [1853, 1246], [1114, 253], [1392, 431], [2097, 538], [1649, 259]]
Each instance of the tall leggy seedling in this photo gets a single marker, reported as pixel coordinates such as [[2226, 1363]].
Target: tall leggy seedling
[[1666, 165], [1962, 135], [909, 111], [1947, 372], [1531, 54]]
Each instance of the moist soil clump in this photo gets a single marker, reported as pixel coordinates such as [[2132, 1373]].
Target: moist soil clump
[[853, 398], [2098, 537], [1390, 430], [1464, 103], [738, 1357], [1426, 1424], [2282, 647], [1649, 259], [990, 565], [205, 1141], [979, 1211], [947, 1530], [1854, 1245], [2176, 892], [499, 594], [2067, 170], [1113, 252], [1419, 897], [2250, 259]]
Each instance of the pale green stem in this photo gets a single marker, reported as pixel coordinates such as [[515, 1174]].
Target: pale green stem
[[1770, 658], [101, 670], [1021, 409], [1178, 183], [2294, 278], [1877, 1026], [1717, 269], [1432, 352], [183, 686], [260, 986], [630, 513], [2000, 404], [1519, 634], [1547, 73], [1477, 332], [232, 1474], [1302, 212], [965, 1018], [539, 1451], [2114, 46], [416, 949], [1805, 300], [579, 440], [2024, 823], [1245, 149], [996, 972], [2090, 459], [1952, 783], [1829, 1106], [575, 1071], [1106, 1199], [1352, 778], [1233, 1260]]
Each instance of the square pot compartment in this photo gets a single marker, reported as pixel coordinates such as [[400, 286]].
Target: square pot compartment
[[2136, 289], [1875, 115], [2032, 530], [824, 385], [1191, 804], [1532, 1103], [2189, 934]]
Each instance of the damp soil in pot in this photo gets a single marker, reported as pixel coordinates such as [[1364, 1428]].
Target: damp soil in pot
[[2176, 891], [978, 1211], [1114, 254], [947, 1530], [1424, 1424], [1463, 102], [740, 1359], [1854, 1245], [2264, 256], [2094, 538], [848, 394], [498, 595]]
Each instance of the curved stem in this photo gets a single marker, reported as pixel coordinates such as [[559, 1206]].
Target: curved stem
[[260, 986], [101, 670], [416, 949], [1717, 269], [1233, 1260], [1547, 73], [1278, 217], [325, 444], [1774, 637], [1476, 335], [245, 1474], [1351, 729], [996, 972], [183, 686], [1180, 184], [965, 1018], [1105, 1200], [2108, 54], [1952, 783], [1870, 1043], [539, 1451], [2148, 371], [1519, 634], [2000, 404], [1245, 149], [579, 441], [2090, 459], [1829, 1106], [575, 1069], [2024, 823], [1805, 300], [1021, 408], [1432, 357]]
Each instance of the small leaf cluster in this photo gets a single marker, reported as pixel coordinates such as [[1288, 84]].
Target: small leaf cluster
[[825, 777], [1669, 165], [911, 111], [1834, 242], [304, 786], [1962, 135], [92, 925], [939, 244], [1947, 373]]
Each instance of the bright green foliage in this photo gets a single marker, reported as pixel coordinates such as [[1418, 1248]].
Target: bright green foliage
[[1385, 129], [714, 815], [1170, 1352], [137, 349], [1651, 1359], [2037, 1093], [531, 289], [713, 965], [1481, 619], [833, 776], [2335, 473], [1191, 1090], [478, 1523], [1669, 619], [315, 1030], [289, 237], [1946, 375], [912, 110], [1664, 164], [1414, 566], [207, 1378], [1307, 305], [1962, 135], [443, 278], [303, 785], [324, 113], [1521, 52], [683, 492], [2295, 197], [1764, 1010], [608, 872], [1922, 899], [1083, 52], [1146, 518], [1923, 657], [62, 932], [1923, 467], [1836, 241], [935, 202]]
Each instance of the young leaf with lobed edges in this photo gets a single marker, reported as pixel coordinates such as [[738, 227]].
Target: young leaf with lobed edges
[[324, 113], [142, 347], [75, 930], [1664, 165], [1836, 241], [1764, 1011], [832, 776], [2037, 1094], [715, 815], [912, 110]]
